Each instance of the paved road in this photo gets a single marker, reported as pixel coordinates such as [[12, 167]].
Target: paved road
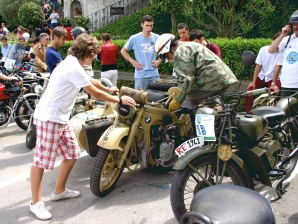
[[139, 197]]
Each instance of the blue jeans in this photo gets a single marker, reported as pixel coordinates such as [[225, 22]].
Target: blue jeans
[[53, 25], [142, 84], [54, 4]]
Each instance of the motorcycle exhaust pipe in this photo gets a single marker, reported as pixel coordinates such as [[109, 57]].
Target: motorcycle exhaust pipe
[[287, 159]]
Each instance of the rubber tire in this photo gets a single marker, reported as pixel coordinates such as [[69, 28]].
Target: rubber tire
[[180, 178], [96, 172], [164, 87], [106, 82], [31, 135], [294, 160], [18, 121]]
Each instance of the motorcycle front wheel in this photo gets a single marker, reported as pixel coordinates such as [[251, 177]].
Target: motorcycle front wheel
[[105, 172], [23, 113], [187, 182]]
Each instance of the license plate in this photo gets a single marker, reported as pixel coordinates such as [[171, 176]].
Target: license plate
[[189, 145]]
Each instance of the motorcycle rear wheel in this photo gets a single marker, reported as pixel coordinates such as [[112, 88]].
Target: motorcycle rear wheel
[[105, 172], [186, 182], [22, 111], [31, 134]]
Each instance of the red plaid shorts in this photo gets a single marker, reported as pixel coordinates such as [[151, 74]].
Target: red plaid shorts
[[53, 138]]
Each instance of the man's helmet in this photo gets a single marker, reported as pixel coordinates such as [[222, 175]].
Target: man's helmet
[[164, 43], [294, 17], [77, 31]]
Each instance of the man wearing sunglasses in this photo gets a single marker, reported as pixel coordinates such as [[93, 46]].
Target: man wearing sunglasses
[[40, 53]]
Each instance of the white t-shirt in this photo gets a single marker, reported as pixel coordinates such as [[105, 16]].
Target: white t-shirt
[[289, 69], [268, 62], [59, 98], [26, 36]]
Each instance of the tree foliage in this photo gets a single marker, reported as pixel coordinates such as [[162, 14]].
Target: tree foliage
[[228, 18], [30, 15], [9, 10], [174, 7]]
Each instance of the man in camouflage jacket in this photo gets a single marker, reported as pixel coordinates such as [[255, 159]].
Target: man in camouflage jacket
[[200, 73]]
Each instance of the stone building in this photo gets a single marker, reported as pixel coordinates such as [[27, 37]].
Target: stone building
[[101, 12]]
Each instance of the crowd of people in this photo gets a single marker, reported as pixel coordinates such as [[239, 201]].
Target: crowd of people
[[197, 64]]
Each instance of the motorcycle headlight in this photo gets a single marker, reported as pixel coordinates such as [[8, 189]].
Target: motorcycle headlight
[[38, 89], [126, 111]]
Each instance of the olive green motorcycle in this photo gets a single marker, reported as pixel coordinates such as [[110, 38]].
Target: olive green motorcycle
[[257, 150], [146, 134]]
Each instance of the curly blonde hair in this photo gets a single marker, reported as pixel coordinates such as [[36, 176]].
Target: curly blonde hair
[[85, 46]]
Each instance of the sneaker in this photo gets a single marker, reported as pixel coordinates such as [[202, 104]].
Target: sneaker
[[40, 211], [65, 194]]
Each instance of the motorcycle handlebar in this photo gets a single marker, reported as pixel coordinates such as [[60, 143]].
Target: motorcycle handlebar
[[256, 91]]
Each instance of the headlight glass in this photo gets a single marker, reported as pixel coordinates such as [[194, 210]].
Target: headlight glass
[[38, 89]]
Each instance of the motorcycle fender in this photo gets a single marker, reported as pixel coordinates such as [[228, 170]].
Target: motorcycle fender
[[111, 138], [182, 161], [30, 94]]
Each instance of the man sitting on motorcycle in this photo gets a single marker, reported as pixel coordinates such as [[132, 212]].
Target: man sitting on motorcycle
[[200, 72]]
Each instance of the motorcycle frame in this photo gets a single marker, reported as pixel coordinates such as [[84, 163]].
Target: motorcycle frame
[[240, 157]]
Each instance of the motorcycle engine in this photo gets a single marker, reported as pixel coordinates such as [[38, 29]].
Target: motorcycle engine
[[166, 150]]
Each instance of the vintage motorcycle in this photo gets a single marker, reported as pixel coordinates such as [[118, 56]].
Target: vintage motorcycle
[[256, 150], [14, 103], [146, 134]]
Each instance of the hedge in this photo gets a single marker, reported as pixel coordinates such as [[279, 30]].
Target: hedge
[[231, 54], [232, 51]]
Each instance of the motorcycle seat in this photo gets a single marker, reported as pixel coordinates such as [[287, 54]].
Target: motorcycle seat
[[229, 204], [156, 96], [272, 114]]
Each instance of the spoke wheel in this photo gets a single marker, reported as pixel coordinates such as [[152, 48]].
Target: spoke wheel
[[187, 182], [105, 172], [23, 113]]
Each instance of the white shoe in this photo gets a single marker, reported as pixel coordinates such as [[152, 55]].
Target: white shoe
[[65, 195], [40, 211]]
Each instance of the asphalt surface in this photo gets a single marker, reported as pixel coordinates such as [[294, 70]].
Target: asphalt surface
[[138, 198]]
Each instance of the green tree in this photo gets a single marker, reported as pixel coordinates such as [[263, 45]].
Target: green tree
[[229, 18], [30, 14], [9, 10], [174, 7]]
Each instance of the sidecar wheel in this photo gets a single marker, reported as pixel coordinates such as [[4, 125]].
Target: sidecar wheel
[[186, 182], [105, 172], [31, 135]]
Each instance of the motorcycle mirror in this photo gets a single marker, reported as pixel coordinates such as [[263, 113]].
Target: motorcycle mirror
[[248, 58]]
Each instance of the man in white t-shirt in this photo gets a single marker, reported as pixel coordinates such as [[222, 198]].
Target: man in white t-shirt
[[288, 46], [266, 66], [54, 134]]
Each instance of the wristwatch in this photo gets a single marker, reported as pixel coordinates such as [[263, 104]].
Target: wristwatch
[[273, 84]]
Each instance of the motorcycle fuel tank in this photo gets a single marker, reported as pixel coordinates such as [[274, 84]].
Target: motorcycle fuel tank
[[254, 127], [3, 96]]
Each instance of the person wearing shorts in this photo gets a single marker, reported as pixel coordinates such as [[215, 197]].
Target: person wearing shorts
[[54, 134]]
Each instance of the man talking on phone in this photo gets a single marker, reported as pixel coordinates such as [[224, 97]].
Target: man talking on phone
[[287, 44]]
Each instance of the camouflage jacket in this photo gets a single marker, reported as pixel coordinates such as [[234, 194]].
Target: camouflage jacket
[[199, 68]]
